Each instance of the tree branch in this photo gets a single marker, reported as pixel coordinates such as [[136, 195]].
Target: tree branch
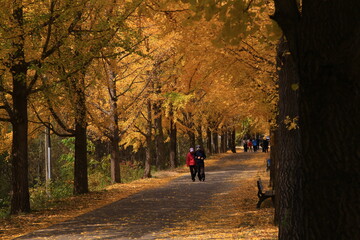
[[140, 131], [49, 125]]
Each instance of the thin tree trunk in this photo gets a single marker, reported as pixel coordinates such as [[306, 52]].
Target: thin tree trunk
[[115, 138], [191, 138], [209, 142], [199, 137], [159, 137], [224, 139], [222, 142], [233, 140], [274, 159], [148, 148], [216, 142], [115, 159], [173, 143]]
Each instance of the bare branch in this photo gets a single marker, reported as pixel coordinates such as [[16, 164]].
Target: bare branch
[[140, 131], [48, 124], [138, 96]]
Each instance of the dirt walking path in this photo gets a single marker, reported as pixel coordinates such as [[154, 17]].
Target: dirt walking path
[[222, 207]]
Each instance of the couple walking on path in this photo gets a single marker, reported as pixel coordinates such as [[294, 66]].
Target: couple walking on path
[[195, 161]]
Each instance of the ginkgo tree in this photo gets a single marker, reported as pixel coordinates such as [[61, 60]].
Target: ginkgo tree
[[27, 42], [68, 76]]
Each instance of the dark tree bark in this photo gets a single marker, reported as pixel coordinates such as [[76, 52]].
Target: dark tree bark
[[199, 137], [288, 148], [274, 159], [20, 201], [326, 50], [191, 135], [233, 140], [216, 142], [223, 142], [209, 142], [80, 166]]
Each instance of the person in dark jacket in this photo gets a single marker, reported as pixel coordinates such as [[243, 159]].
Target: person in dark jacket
[[245, 145], [200, 165], [265, 145], [191, 163]]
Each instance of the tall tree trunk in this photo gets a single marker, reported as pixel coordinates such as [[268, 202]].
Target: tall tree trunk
[[274, 133], [173, 143], [115, 159], [20, 201], [159, 137], [115, 131], [199, 137], [216, 142], [191, 135], [288, 147], [233, 140], [148, 148], [326, 50], [223, 142], [209, 142], [80, 168]]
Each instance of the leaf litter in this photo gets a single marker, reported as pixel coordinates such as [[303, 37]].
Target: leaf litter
[[230, 215]]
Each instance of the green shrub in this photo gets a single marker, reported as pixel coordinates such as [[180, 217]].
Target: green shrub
[[130, 171]]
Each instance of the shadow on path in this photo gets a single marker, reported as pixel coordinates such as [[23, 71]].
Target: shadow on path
[[146, 213]]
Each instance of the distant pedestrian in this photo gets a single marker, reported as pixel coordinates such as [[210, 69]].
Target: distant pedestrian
[[191, 163], [255, 146], [200, 165], [245, 145], [250, 145], [265, 145]]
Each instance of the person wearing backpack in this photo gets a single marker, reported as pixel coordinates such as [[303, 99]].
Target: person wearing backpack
[[191, 163], [200, 165]]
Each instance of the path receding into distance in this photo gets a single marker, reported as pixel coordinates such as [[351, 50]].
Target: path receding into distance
[[145, 214]]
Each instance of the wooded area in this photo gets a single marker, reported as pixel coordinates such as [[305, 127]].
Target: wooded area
[[101, 92]]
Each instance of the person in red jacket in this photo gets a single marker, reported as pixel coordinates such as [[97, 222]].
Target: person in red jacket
[[190, 162]]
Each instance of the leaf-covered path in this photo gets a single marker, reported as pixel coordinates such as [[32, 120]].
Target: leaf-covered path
[[222, 207]]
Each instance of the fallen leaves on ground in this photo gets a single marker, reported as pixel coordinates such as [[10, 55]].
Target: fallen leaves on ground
[[15, 226], [231, 215]]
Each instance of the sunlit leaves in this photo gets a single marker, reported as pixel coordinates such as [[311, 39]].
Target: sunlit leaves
[[291, 123]]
